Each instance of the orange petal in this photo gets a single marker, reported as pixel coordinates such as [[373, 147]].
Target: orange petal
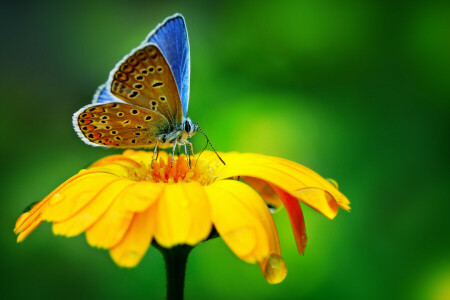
[[265, 191], [240, 216], [183, 215], [134, 245], [295, 217]]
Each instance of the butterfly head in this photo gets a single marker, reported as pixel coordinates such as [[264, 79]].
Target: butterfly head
[[189, 127]]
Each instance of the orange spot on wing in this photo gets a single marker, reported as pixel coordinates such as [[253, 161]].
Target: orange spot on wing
[[85, 121], [98, 110], [89, 128], [107, 142], [97, 135]]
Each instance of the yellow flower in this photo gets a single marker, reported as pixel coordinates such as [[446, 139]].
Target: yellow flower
[[123, 205]]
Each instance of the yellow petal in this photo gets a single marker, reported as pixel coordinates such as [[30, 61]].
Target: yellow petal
[[287, 175], [134, 245], [74, 196], [109, 230], [22, 235], [27, 219], [183, 215], [319, 199], [116, 159], [92, 211], [238, 213], [144, 157], [139, 196]]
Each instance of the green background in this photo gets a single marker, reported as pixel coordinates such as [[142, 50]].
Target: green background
[[359, 91]]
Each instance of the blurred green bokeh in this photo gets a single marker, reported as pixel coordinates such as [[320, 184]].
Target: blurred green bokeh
[[356, 90]]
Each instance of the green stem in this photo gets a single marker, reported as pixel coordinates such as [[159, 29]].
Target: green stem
[[175, 260]]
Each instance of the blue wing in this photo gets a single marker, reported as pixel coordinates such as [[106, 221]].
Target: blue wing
[[171, 37], [104, 96]]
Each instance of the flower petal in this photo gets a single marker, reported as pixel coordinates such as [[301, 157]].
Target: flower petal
[[92, 211], [116, 159], [139, 196], [109, 230], [134, 245], [239, 215], [265, 191], [75, 195], [29, 218], [184, 215], [319, 199], [22, 235], [295, 217], [287, 175]]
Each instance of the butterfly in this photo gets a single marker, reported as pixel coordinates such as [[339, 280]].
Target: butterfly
[[144, 103]]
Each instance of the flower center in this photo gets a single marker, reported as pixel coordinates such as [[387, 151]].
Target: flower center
[[180, 171]]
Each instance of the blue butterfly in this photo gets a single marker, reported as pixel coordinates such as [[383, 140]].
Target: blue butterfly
[[144, 103]]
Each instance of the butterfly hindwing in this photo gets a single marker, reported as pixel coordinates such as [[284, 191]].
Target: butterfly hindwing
[[172, 38], [119, 125], [103, 95], [144, 78]]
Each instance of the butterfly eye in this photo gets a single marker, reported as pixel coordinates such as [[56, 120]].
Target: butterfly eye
[[187, 126]]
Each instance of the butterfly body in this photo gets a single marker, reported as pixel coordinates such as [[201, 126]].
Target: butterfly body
[[144, 102]]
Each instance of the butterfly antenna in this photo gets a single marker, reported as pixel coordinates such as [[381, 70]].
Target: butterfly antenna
[[209, 142], [201, 154]]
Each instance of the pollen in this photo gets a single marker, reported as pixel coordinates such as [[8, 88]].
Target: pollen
[[163, 172]]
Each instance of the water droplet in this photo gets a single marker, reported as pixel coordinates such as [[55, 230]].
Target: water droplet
[[333, 182], [56, 198], [275, 270]]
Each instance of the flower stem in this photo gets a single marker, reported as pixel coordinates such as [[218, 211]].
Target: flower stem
[[175, 260]]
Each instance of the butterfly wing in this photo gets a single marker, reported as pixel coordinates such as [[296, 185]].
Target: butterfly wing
[[102, 95], [172, 38], [144, 78], [119, 125]]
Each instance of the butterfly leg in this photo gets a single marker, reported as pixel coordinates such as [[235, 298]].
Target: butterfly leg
[[187, 155], [191, 147], [154, 153], [173, 152]]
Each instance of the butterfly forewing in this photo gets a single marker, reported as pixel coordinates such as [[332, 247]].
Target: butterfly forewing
[[172, 39], [120, 125], [145, 79]]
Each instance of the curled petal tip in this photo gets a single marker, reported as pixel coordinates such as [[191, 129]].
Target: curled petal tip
[[275, 270]]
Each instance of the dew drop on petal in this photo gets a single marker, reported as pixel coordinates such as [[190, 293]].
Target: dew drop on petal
[[333, 182], [275, 270], [56, 198], [129, 258]]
